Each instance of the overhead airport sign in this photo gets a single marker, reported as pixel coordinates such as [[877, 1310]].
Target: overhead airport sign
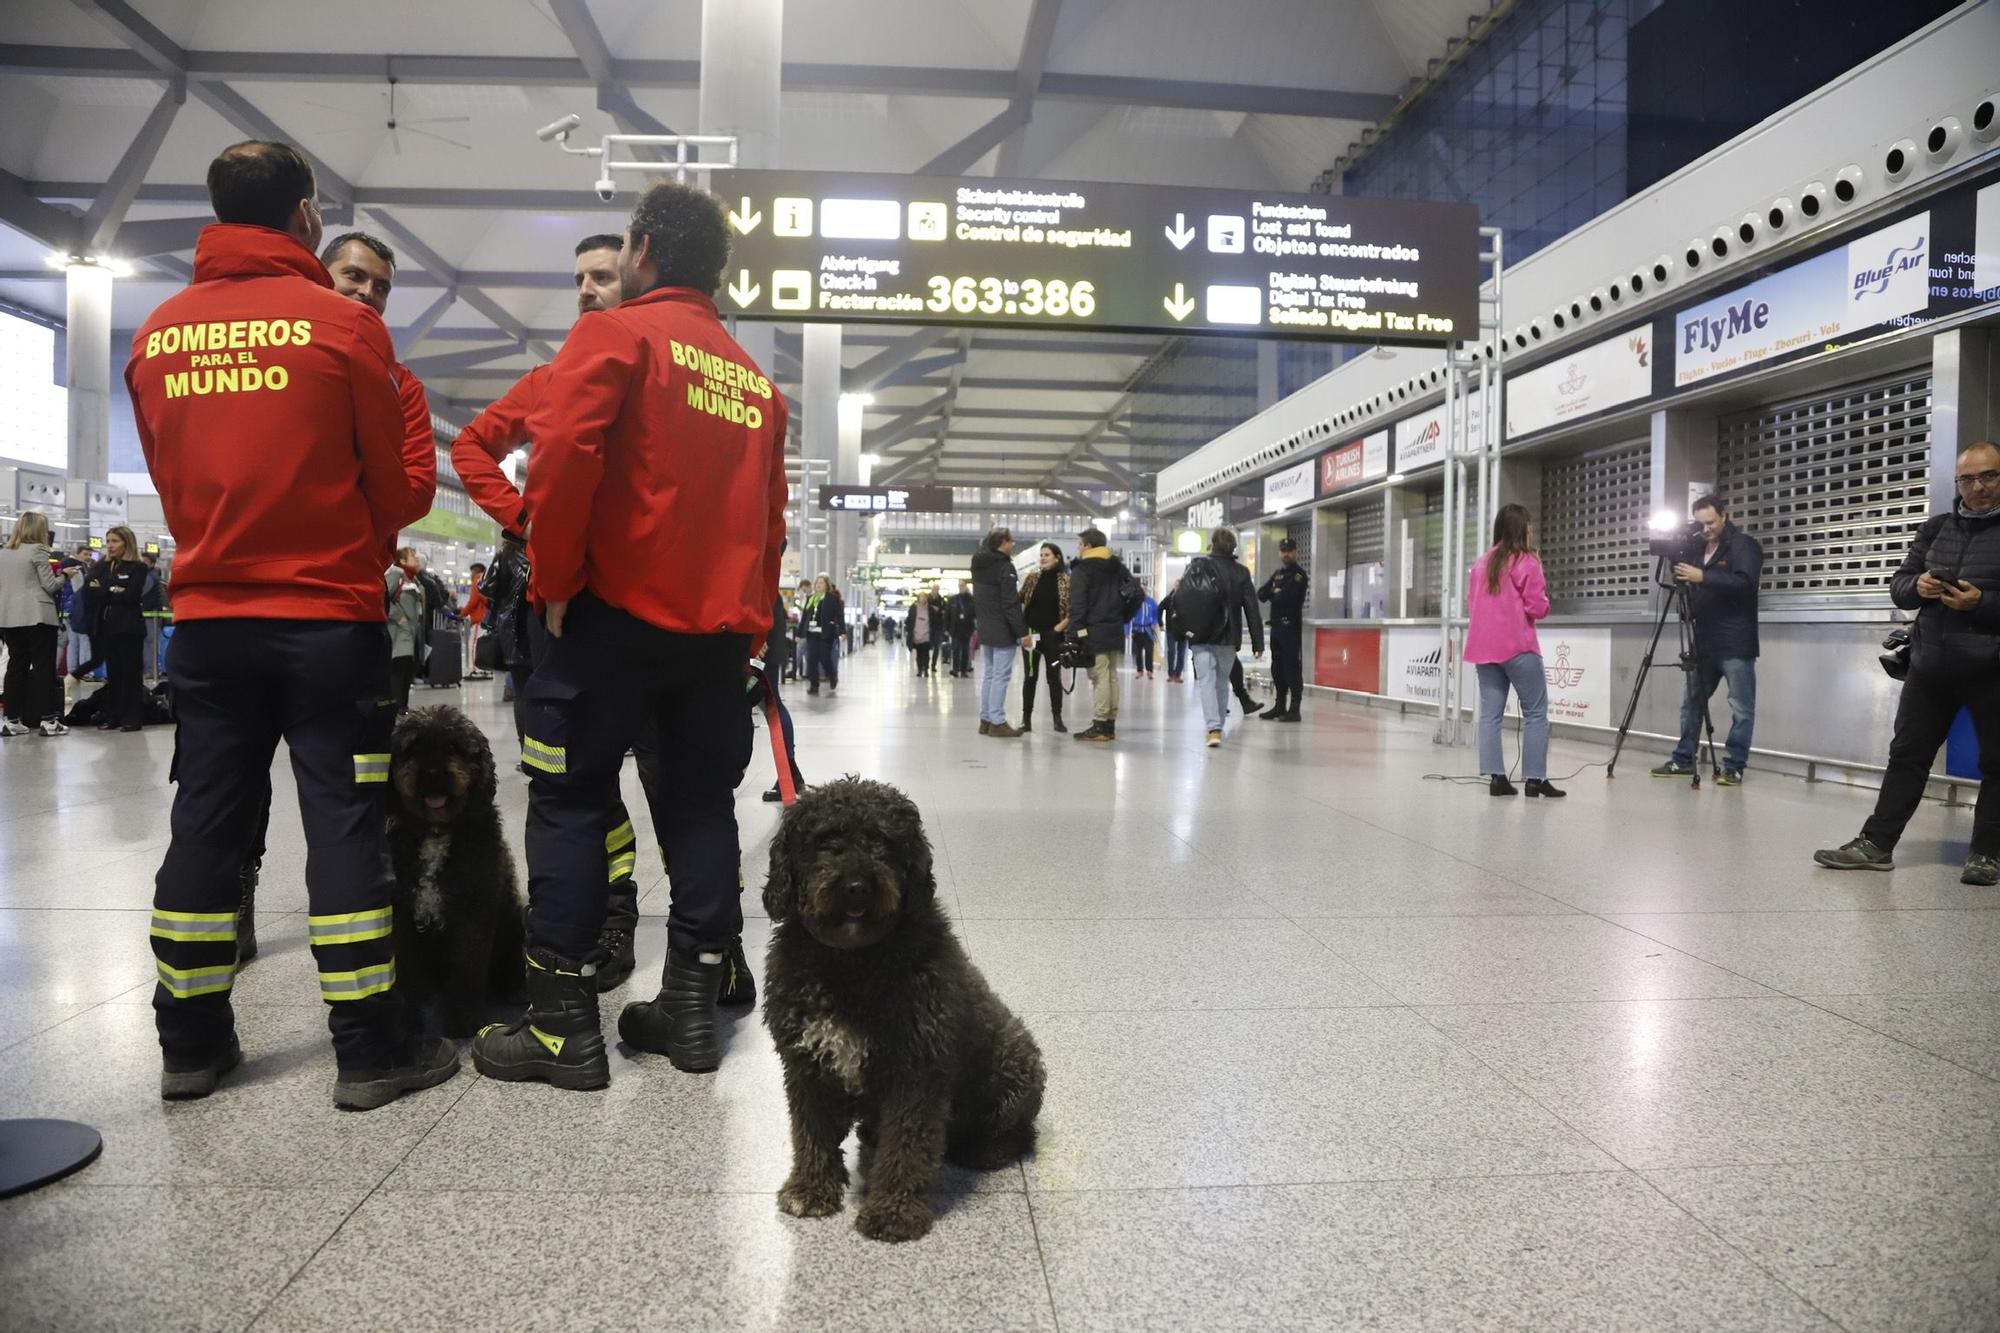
[[967, 251], [887, 499]]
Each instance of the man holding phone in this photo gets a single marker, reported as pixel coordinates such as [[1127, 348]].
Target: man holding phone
[[1951, 579]]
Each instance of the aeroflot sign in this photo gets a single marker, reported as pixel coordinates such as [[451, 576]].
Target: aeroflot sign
[[1880, 278]]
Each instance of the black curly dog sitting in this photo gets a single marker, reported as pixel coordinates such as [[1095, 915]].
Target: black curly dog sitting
[[880, 1018], [459, 926]]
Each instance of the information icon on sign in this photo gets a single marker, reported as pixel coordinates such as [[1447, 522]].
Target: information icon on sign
[[792, 217], [791, 289], [1225, 234]]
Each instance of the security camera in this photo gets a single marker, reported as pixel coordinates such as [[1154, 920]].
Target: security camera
[[558, 129], [607, 189]]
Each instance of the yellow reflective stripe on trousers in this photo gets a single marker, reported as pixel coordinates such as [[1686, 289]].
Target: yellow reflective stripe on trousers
[[371, 768], [193, 926], [621, 845], [548, 758], [358, 984], [184, 983], [349, 927]]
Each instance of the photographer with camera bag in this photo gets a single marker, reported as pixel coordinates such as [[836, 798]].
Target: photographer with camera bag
[[1213, 601], [1951, 579], [1721, 567]]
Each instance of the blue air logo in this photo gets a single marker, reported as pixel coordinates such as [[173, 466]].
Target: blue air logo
[[1875, 281]]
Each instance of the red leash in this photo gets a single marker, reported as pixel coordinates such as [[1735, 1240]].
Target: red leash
[[774, 724]]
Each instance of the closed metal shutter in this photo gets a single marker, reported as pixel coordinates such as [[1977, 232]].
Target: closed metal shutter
[[1591, 531], [1832, 485], [1364, 534]]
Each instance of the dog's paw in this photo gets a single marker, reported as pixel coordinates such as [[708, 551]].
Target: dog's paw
[[894, 1219], [809, 1198]]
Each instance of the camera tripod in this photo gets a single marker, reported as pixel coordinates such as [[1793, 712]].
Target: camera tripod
[[1680, 600]]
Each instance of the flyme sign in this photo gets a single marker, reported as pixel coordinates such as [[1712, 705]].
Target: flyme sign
[[1880, 278]]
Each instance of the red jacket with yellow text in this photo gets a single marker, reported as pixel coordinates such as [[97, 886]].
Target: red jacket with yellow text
[[498, 431], [272, 421], [658, 479]]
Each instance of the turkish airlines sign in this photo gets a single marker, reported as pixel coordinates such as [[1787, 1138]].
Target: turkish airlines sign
[[1352, 463]]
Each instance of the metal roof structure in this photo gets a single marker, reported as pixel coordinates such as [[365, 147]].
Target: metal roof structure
[[115, 108]]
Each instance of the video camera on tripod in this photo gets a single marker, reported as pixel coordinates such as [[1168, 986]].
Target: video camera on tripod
[[1675, 543], [1671, 541]]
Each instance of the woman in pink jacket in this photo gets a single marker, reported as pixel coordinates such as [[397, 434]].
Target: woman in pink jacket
[[1507, 595]]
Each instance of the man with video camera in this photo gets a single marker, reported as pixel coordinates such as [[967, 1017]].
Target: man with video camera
[[1719, 569], [1951, 579]]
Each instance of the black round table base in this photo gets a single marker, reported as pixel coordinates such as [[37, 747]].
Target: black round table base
[[35, 1152]]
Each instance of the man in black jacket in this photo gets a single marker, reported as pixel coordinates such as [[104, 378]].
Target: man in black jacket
[[1722, 590], [1951, 579], [1097, 620], [1215, 647], [1002, 625], [961, 620]]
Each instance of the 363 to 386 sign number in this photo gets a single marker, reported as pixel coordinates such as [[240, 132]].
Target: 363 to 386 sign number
[[1010, 296]]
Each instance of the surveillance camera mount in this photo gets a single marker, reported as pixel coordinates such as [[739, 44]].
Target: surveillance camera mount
[[687, 153]]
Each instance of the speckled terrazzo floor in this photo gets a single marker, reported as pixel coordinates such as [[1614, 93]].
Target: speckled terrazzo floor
[[1329, 1046]]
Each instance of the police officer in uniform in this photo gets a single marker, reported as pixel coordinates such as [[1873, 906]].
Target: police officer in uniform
[[1285, 590], [279, 622], [656, 503]]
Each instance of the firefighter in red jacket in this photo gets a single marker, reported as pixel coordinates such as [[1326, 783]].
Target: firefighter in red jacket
[[363, 269], [476, 455], [657, 500], [268, 409]]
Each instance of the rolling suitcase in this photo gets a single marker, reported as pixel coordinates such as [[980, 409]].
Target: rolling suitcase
[[446, 665]]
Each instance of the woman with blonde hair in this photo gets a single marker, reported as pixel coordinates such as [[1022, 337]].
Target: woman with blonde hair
[[113, 592], [28, 584]]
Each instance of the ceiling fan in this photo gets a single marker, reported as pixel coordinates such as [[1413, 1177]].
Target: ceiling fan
[[398, 126]]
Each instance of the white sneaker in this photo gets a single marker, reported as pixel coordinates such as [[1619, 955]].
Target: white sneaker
[[54, 728], [12, 728]]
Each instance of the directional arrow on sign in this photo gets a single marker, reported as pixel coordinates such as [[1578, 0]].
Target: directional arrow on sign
[[1180, 233], [744, 290], [1180, 305], [746, 218]]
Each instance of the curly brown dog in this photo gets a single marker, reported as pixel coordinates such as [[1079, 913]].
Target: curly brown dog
[[458, 924], [880, 1018]]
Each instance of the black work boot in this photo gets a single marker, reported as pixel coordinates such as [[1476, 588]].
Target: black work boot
[[558, 1039], [679, 1022], [246, 914], [738, 986], [424, 1062], [621, 919], [183, 1080]]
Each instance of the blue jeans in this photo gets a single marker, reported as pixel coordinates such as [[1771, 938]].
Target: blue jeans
[[1177, 651], [1524, 672], [1741, 673], [996, 665], [1212, 665]]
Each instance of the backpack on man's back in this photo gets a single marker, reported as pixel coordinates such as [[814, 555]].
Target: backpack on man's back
[[1200, 606]]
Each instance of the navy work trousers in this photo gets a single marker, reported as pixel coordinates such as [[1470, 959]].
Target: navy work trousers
[[239, 685], [610, 679]]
